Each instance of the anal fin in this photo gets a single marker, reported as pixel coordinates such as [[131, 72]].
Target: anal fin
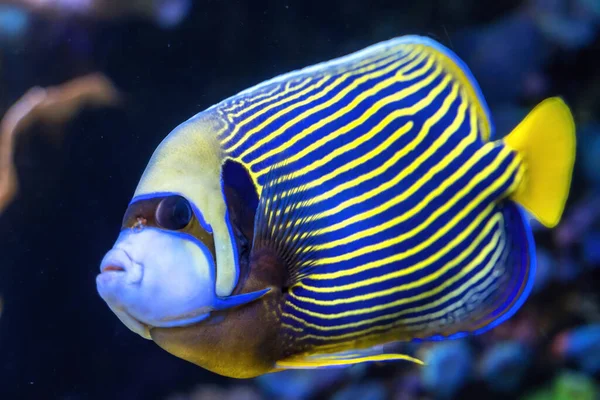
[[342, 359]]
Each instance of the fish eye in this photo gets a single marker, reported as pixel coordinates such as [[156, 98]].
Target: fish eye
[[174, 213]]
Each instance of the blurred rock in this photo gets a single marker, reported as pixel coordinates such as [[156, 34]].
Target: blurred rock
[[448, 365], [299, 384], [365, 391], [503, 366], [580, 345], [545, 270]]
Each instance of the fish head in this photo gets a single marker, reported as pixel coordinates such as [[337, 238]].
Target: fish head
[[176, 261]]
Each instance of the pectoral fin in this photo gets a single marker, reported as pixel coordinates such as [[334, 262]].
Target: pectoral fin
[[222, 303]]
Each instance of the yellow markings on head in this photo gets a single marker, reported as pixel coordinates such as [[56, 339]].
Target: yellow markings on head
[[188, 162]]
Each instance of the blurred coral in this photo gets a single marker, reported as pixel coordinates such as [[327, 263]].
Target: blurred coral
[[300, 384], [51, 106]]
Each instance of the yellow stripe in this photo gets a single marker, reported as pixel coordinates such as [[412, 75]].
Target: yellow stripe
[[468, 252], [225, 126], [226, 111], [482, 175], [294, 328], [299, 363], [287, 90], [499, 246], [338, 81], [398, 77], [240, 124], [395, 136]]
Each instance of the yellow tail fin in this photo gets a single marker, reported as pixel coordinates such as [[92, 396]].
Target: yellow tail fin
[[545, 139]]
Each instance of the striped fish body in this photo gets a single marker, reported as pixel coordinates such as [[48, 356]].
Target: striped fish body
[[377, 171]]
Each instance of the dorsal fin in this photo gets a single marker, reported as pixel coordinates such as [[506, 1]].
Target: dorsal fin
[[282, 224]]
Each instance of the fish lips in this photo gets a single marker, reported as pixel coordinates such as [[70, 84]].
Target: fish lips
[[117, 272], [117, 264]]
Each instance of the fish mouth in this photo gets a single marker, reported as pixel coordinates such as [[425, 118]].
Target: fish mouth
[[112, 268], [116, 260], [118, 263]]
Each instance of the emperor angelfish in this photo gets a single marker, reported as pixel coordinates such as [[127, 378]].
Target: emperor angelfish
[[313, 218]]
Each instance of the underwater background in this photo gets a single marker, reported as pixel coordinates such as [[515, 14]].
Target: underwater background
[[118, 76]]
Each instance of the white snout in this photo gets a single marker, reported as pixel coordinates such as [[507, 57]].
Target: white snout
[[157, 278]]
